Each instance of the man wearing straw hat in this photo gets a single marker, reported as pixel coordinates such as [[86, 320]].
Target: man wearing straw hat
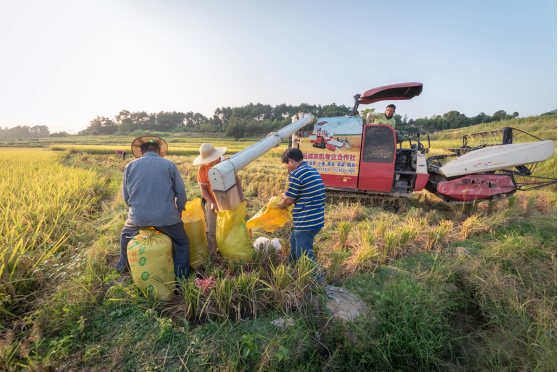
[[154, 192], [210, 156]]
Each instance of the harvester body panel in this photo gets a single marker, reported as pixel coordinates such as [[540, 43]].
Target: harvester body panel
[[394, 92], [477, 187], [493, 158], [422, 180], [363, 158], [333, 149], [378, 155]]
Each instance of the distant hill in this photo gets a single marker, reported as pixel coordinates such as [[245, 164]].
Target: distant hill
[[542, 126]]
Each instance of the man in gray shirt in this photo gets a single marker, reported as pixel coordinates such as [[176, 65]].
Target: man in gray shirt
[[154, 192]]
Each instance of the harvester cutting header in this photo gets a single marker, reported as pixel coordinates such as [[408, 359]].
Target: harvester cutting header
[[361, 159]]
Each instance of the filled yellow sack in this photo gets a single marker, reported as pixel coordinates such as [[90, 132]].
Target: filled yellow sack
[[194, 224], [271, 217], [150, 259], [232, 235]]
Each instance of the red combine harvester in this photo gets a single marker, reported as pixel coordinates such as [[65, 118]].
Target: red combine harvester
[[359, 160]]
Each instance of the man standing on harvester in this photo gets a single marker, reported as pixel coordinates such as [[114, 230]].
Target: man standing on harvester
[[386, 118], [154, 192], [210, 156], [307, 192]]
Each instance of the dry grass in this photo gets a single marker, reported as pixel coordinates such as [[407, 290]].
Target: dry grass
[[247, 293], [366, 238]]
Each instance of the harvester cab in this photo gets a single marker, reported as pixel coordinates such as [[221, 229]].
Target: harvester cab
[[354, 157], [357, 159]]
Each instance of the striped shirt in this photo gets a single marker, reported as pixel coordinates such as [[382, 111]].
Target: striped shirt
[[307, 189]]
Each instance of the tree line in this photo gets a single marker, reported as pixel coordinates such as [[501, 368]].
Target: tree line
[[25, 131], [258, 119], [253, 119], [455, 119]]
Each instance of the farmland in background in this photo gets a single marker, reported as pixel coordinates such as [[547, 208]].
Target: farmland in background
[[448, 287]]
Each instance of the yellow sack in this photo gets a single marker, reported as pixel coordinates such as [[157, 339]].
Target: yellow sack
[[271, 217], [194, 224], [150, 259], [232, 236]]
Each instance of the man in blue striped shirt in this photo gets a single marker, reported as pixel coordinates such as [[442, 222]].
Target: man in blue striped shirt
[[307, 192]]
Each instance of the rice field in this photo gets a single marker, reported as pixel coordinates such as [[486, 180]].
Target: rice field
[[173, 139], [44, 212], [173, 150], [63, 306]]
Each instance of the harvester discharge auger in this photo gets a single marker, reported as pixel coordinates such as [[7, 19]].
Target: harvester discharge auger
[[362, 160]]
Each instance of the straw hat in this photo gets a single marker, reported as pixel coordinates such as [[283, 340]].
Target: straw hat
[[136, 145], [208, 154]]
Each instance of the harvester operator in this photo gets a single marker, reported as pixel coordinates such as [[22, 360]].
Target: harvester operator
[[155, 194], [307, 192], [387, 118], [210, 156]]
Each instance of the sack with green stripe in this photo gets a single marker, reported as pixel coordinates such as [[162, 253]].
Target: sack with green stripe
[[150, 260]]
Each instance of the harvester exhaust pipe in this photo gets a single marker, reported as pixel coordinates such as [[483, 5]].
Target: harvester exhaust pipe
[[222, 176]]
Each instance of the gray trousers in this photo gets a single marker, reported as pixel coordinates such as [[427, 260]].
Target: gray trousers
[[180, 246], [211, 228]]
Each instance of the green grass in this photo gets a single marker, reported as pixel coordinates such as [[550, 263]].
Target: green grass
[[427, 312], [429, 309], [123, 142]]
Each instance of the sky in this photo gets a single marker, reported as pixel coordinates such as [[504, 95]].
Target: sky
[[63, 63]]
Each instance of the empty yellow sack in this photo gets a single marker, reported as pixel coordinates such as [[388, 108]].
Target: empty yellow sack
[[194, 224], [271, 217], [150, 259], [232, 235]]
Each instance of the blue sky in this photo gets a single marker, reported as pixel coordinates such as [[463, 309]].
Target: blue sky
[[65, 62]]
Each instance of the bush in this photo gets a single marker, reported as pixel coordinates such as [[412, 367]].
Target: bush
[[60, 134], [208, 128], [140, 133]]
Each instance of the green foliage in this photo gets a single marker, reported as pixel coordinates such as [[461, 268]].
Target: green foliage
[[455, 119], [343, 229], [25, 131], [59, 134], [140, 133], [253, 119], [236, 127]]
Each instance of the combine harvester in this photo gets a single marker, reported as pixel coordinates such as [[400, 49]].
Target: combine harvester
[[362, 161]]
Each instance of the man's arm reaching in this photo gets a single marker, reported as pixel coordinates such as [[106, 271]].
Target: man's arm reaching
[[205, 193], [287, 201], [241, 192]]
